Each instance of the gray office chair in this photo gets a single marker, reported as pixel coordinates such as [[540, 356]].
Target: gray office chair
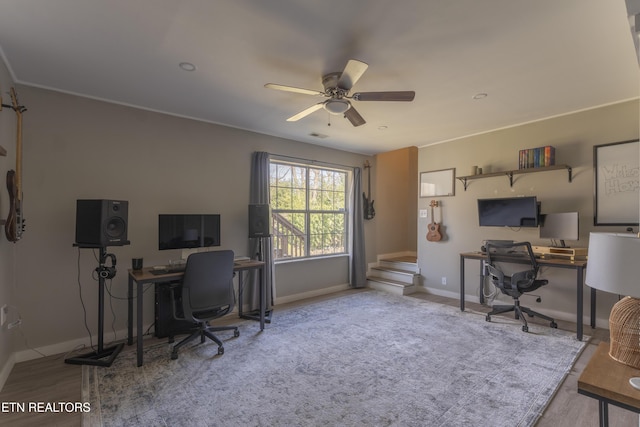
[[207, 294], [516, 284]]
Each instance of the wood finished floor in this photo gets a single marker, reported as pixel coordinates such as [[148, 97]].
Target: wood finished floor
[[51, 380]]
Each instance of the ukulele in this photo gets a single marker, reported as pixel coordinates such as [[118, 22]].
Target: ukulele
[[14, 226], [369, 212], [433, 235]]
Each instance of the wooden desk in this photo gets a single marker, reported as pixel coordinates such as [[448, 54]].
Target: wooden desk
[[144, 276], [578, 266], [607, 381]]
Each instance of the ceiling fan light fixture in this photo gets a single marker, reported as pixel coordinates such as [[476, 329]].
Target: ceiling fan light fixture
[[187, 66], [337, 106]]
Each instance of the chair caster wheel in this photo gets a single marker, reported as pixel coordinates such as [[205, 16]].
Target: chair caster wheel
[[531, 315], [488, 318], [220, 351], [174, 355], [525, 329], [554, 325], [236, 333]]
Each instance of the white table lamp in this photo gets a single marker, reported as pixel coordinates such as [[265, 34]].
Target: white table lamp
[[614, 266]]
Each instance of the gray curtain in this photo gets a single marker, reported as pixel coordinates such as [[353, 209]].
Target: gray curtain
[[259, 194], [358, 261]]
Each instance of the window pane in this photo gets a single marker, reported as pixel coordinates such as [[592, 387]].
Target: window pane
[[299, 199], [289, 230], [327, 234]]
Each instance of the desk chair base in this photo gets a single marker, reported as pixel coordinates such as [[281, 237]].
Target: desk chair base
[[519, 310], [205, 331]]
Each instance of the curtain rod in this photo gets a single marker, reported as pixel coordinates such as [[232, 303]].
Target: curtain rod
[[312, 161]]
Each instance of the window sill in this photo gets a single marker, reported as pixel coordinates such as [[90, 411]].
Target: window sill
[[320, 257]]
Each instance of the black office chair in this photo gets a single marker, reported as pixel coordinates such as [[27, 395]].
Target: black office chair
[[516, 284], [207, 294]]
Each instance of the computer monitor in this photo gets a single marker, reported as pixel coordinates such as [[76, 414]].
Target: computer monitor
[[559, 227], [188, 231]]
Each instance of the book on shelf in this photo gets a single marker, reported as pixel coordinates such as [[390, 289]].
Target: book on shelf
[[537, 157]]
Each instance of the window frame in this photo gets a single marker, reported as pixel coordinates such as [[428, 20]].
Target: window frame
[[308, 165]]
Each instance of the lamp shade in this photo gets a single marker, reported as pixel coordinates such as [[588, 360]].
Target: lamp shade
[[614, 263]]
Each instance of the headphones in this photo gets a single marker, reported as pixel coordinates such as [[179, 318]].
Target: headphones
[[107, 272]]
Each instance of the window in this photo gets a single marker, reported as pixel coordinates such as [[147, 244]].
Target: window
[[309, 210]]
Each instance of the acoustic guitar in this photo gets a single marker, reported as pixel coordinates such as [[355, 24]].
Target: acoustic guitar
[[433, 233], [15, 225], [369, 211]]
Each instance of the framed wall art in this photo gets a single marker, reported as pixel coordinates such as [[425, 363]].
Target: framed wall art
[[440, 183], [616, 173]]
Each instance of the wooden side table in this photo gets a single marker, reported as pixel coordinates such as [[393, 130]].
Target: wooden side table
[[607, 381]]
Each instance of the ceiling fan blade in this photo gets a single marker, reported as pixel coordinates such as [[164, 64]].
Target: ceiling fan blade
[[293, 89], [354, 117], [306, 112], [352, 73], [384, 96]]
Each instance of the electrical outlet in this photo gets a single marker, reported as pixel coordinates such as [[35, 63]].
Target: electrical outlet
[[4, 311], [423, 213], [444, 280]]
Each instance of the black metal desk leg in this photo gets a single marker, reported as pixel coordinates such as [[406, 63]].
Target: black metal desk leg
[[130, 312], [240, 292], [603, 413], [461, 283], [263, 297], [579, 309], [481, 297], [139, 324]]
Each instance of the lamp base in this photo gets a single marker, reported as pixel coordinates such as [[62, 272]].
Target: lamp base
[[624, 330]]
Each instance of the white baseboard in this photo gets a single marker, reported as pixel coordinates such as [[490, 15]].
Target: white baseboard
[[311, 294]]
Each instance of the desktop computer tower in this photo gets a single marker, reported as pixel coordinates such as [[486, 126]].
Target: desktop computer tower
[[165, 324]]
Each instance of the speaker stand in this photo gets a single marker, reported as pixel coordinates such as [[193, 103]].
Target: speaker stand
[[102, 356]]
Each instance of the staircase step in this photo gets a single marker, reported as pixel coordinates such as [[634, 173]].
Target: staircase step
[[404, 258], [402, 263], [391, 286]]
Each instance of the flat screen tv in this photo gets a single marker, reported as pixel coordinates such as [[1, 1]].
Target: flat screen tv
[[188, 231], [508, 212]]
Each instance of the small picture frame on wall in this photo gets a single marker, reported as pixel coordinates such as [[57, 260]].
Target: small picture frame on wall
[[439, 183], [616, 173]]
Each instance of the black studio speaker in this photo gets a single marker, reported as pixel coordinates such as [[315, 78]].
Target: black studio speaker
[[259, 221], [101, 223]]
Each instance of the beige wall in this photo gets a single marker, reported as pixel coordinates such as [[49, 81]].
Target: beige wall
[[77, 148], [7, 249], [395, 192], [573, 136]]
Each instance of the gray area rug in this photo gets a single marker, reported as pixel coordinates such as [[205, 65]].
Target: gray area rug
[[363, 359]]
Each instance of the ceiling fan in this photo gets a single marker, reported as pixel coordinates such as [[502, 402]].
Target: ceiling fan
[[336, 87]]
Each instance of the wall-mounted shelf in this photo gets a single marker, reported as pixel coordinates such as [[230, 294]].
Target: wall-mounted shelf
[[511, 173]]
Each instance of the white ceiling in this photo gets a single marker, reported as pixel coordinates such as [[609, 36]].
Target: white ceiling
[[534, 59]]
